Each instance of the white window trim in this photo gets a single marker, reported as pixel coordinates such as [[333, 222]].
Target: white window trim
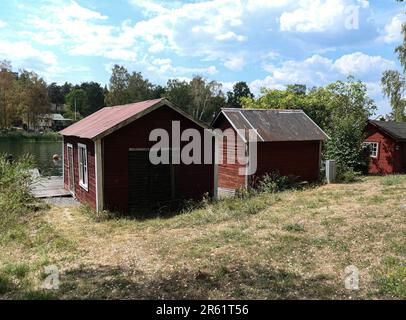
[[81, 182], [367, 143]]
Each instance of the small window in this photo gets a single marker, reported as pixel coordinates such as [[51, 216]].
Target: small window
[[82, 160], [373, 146]]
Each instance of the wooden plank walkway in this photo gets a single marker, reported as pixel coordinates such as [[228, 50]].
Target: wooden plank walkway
[[49, 187]]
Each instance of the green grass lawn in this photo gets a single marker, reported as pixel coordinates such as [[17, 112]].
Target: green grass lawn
[[293, 244]]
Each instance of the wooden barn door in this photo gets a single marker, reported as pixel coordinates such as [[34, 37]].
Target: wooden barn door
[[151, 187], [71, 172]]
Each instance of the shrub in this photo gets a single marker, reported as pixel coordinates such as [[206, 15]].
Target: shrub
[[274, 182], [347, 175], [15, 197]]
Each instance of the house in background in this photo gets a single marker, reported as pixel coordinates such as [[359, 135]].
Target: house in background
[[387, 142], [52, 121], [106, 159], [59, 122], [289, 142]]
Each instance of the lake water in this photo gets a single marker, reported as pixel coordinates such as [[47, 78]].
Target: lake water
[[42, 152]]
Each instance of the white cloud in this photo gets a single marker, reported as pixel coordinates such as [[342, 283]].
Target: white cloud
[[258, 5], [22, 51], [318, 71], [359, 63], [165, 69], [80, 31], [230, 36], [392, 31], [235, 63], [2, 24]]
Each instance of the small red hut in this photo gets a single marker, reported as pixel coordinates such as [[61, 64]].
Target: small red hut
[[387, 141], [106, 163], [289, 142]]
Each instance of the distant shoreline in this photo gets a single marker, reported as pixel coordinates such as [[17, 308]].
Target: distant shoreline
[[46, 136]]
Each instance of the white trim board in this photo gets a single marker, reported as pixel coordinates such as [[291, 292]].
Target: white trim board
[[98, 154], [85, 186]]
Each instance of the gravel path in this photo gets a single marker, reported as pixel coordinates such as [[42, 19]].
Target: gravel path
[[62, 201]]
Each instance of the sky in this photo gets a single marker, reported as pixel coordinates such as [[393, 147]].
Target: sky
[[266, 43]]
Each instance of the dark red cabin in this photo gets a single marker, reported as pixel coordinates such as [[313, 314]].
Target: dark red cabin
[[106, 163], [289, 142], [387, 142]]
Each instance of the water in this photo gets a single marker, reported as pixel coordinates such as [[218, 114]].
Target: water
[[42, 151]]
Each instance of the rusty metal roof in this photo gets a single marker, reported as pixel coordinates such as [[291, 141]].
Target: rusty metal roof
[[110, 119], [396, 130], [275, 125]]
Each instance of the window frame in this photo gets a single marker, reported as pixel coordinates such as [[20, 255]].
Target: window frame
[[83, 167], [369, 143]]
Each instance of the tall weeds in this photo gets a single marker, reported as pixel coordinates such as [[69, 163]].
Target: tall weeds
[[15, 198]]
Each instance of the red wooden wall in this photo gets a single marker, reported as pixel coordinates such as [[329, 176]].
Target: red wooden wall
[[193, 180], [298, 158], [389, 159], [81, 194], [229, 176]]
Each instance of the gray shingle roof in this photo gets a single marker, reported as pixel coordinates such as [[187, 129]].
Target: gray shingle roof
[[396, 130], [275, 125]]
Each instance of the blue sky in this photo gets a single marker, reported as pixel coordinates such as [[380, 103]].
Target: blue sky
[[267, 43]]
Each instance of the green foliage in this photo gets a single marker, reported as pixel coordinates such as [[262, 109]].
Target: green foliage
[[56, 94], [240, 90], [326, 106], [200, 98], [274, 182], [394, 82], [5, 284], [348, 133], [18, 270], [394, 282], [127, 88], [22, 135], [294, 227], [15, 181], [392, 180], [347, 175]]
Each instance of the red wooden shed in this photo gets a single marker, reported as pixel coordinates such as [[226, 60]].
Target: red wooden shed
[[288, 142], [387, 141], [106, 163]]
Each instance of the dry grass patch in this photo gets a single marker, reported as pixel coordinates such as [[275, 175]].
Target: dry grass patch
[[294, 244]]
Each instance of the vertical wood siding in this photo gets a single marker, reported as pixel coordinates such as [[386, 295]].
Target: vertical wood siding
[[297, 158], [389, 159], [229, 176], [194, 180], [81, 194]]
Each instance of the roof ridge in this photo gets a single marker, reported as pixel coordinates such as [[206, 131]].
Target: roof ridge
[[241, 109], [133, 103]]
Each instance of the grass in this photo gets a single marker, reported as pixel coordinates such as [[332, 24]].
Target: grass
[[294, 244]]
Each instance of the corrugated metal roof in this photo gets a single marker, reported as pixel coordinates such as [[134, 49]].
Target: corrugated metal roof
[[276, 125], [110, 119], [395, 129], [107, 118], [58, 117]]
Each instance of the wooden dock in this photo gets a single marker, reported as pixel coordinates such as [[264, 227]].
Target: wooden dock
[[49, 187]]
